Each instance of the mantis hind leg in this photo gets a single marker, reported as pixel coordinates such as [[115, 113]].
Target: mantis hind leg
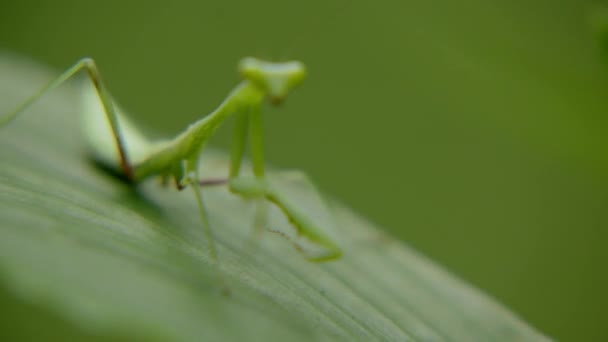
[[89, 65]]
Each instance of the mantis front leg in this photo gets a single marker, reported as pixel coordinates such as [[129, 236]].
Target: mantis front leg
[[257, 142], [248, 122], [238, 144], [237, 151], [261, 189]]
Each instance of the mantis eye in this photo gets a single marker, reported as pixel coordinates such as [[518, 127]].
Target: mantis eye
[[275, 79]]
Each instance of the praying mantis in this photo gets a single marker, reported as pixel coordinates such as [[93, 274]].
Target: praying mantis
[[116, 144]]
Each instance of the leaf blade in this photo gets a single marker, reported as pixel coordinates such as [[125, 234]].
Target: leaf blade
[[111, 258]]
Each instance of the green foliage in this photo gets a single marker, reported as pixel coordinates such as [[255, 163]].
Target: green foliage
[[83, 255], [599, 21]]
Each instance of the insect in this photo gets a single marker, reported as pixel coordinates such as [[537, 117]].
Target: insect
[[116, 144]]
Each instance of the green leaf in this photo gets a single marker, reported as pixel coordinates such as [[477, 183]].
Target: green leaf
[[84, 255]]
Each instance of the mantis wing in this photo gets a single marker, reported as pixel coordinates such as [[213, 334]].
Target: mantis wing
[[101, 143]]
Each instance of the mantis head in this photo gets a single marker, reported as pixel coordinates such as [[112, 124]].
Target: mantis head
[[274, 79]]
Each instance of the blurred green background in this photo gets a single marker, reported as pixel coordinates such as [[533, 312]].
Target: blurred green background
[[475, 130]]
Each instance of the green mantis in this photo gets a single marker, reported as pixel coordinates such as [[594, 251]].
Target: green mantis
[[116, 143]]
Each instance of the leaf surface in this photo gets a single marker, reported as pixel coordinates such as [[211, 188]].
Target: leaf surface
[[107, 259]]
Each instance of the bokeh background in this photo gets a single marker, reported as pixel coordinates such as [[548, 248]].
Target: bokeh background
[[475, 131]]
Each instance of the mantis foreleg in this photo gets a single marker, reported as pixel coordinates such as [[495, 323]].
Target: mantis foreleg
[[238, 143], [257, 142]]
